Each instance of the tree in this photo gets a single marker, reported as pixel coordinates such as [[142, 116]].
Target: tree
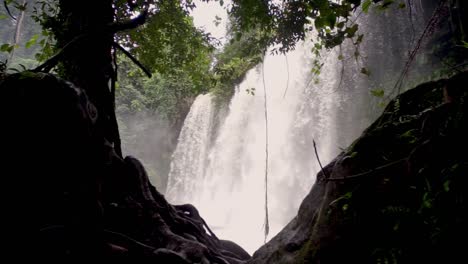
[[85, 35]]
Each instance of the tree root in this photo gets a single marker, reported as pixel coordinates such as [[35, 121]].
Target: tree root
[[175, 232]]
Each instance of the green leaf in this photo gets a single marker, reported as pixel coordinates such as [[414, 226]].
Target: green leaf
[[7, 48], [386, 4], [345, 207], [359, 39], [319, 22], [356, 54], [330, 20], [365, 71], [402, 5], [32, 41], [21, 7], [366, 5], [3, 16], [378, 93], [350, 31], [464, 44], [447, 186]]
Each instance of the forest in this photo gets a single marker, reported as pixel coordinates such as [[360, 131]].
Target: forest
[[235, 131]]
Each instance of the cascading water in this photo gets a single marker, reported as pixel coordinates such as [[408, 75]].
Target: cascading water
[[230, 192], [224, 176], [192, 150]]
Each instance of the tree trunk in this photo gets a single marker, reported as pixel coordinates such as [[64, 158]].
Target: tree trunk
[[89, 64]]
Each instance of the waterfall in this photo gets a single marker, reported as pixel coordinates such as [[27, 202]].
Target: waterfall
[[228, 186], [191, 151], [222, 172]]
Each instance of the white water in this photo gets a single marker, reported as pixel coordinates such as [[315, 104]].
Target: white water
[[192, 150], [228, 187], [222, 172]]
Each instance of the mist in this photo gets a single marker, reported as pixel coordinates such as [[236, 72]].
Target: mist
[[148, 137]]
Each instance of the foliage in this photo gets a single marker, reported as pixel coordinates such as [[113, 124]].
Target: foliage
[[170, 95], [236, 59], [28, 34], [290, 21], [169, 44]]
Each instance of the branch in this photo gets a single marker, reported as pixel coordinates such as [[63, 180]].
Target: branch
[[318, 159], [109, 29], [133, 59], [130, 24], [8, 10], [52, 61], [367, 173]]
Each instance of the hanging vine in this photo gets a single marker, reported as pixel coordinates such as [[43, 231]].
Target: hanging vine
[[267, 224]]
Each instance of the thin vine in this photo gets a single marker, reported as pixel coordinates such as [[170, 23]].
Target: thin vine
[[267, 224]]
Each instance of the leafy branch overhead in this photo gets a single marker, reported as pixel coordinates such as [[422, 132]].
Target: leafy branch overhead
[[291, 21]]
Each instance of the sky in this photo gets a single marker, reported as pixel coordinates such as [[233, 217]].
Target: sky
[[205, 14]]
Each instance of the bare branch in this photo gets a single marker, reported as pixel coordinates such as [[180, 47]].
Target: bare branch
[[318, 159], [133, 59], [130, 24], [368, 173], [8, 10]]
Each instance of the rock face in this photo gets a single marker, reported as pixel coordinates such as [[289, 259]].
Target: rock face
[[68, 195], [398, 194]]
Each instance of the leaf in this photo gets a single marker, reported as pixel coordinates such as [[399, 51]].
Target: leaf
[[386, 4], [378, 93], [356, 54], [7, 48], [359, 39], [32, 41], [3, 16], [21, 7], [27, 75], [330, 20], [464, 44], [366, 5], [345, 207], [402, 5], [447, 186], [365, 71], [319, 22], [350, 31]]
